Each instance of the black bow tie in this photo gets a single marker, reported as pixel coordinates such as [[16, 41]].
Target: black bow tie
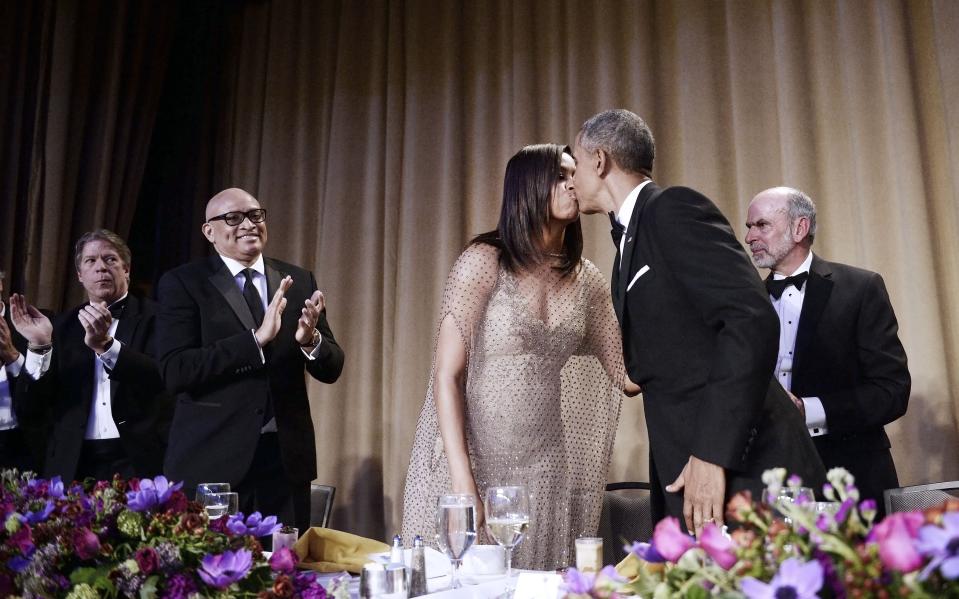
[[116, 308], [617, 231], [776, 287]]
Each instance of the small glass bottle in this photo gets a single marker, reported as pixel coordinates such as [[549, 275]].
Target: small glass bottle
[[418, 567]]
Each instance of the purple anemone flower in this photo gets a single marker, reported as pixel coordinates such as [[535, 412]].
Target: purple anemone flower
[[942, 545], [55, 490], [255, 525], [578, 583], [152, 493], [795, 580], [645, 552], [220, 571], [40, 515]]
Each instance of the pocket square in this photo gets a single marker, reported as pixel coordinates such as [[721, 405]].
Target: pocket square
[[636, 276]]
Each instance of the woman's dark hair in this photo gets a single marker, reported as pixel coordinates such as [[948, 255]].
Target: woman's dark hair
[[531, 175]]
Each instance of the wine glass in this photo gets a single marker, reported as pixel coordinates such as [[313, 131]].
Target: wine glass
[[456, 528], [786, 496], [507, 518]]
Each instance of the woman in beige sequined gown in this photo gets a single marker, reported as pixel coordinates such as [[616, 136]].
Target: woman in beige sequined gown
[[527, 374]]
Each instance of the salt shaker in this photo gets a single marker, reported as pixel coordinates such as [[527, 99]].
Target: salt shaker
[[396, 553], [418, 566]]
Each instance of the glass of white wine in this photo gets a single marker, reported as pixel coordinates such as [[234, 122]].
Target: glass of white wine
[[455, 528], [507, 518]]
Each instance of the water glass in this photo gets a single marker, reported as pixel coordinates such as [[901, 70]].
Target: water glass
[[220, 504], [207, 488], [456, 528], [507, 518], [383, 582]]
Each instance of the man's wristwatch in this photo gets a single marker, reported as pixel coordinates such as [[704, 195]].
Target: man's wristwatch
[[315, 340]]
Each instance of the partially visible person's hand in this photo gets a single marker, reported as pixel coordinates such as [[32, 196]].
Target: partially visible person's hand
[[273, 317], [8, 353], [30, 322], [800, 404], [704, 490]]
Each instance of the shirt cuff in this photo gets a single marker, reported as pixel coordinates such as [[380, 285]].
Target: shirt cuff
[[316, 350], [13, 368], [815, 416], [36, 364], [257, 344], [109, 357]]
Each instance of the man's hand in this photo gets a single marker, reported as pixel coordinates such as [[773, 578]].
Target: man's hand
[[274, 314], [308, 317], [8, 353], [704, 490], [96, 321], [30, 322], [800, 405]]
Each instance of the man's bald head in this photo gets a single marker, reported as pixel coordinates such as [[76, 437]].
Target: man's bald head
[[243, 242]]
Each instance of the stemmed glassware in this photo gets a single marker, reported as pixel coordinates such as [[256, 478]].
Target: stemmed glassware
[[788, 495], [456, 528], [507, 518]]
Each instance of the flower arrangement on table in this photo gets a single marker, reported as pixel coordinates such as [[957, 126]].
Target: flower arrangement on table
[[137, 538], [797, 553]]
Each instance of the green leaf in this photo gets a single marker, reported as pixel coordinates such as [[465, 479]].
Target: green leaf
[[83, 576], [697, 592], [149, 588]]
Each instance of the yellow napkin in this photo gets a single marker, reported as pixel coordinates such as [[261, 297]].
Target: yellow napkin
[[631, 567], [328, 550]]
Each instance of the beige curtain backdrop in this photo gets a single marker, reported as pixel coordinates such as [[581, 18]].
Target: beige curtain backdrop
[[377, 133]]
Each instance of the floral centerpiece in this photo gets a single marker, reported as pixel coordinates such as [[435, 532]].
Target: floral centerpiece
[[793, 550], [137, 538]]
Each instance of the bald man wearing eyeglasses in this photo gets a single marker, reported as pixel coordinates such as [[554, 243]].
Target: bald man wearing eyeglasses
[[236, 331]]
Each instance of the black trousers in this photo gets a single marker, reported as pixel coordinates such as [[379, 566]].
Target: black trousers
[[102, 458], [14, 451], [266, 489]]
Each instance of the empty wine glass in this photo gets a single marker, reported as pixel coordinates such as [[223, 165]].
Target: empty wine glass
[[455, 528], [507, 518], [786, 496], [207, 488]]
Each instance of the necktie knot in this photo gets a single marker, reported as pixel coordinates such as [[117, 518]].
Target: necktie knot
[[776, 287], [116, 308], [617, 231]]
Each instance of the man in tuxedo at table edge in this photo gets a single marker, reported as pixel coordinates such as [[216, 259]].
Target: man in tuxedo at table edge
[[237, 330], [699, 335], [92, 375], [840, 357]]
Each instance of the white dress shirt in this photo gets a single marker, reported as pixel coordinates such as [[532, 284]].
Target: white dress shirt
[[789, 308], [625, 213]]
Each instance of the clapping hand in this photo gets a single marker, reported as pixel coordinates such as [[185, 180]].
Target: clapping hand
[[96, 321], [8, 353], [274, 314], [308, 317], [30, 322]]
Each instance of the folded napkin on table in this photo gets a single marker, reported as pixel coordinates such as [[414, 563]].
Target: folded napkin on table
[[328, 550]]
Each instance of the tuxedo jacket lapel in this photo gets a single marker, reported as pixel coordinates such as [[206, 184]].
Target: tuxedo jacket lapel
[[126, 330], [273, 278], [819, 287], [632, 230], [226, 285]]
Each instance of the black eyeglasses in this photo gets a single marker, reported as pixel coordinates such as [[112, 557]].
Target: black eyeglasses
[[257, 215]]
